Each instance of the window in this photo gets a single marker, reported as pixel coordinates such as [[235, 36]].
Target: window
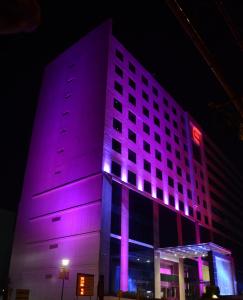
[[201, 175], [119, 55], [132, 156], [170, 181], [132, 117], [205, 204], [146, 128], [166, 103], [175, 125], [178, 155], [180, 187], [145, 96], [159, 193], [168, 147], [132, 99], [190, 211], [183, 132], [144, 80], [198, 215], [176, 139], [167, 116], [179, 171], [196, 153], [132, 178], [119, 71], [147, 186], [156, 106], [185, 148], [171, 200], [156, 121], [167, 131], [181, 205], [158, 155], [186, 162], [117, 125], [206, 219], [117, 105], [145, 111], [132, 84], [183, 120], [174, 110], [115, 169], [118, 87], [132, 67], [159, 174], [203, 189], [116, 145], [157, 138], [189, 194], [146, 165], [155, 91], [188, 178], [146, 146], [169, 164], [131, 135]]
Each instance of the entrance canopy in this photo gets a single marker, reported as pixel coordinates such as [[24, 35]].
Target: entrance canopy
[[191, 251]]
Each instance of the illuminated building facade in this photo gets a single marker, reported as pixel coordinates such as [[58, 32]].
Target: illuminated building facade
[[117, 182]]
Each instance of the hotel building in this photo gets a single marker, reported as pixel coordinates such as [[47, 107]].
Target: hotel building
[[123, 183]]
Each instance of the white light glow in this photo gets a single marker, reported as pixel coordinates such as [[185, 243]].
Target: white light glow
[[65, 262]]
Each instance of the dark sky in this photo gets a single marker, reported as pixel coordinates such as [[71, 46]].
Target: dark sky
[[154, 36]]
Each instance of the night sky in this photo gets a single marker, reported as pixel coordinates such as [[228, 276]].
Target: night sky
[[153, 35]]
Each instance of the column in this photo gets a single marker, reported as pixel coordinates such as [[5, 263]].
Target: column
[[199, 262], [157, 291], [124, 239], [181, 279]]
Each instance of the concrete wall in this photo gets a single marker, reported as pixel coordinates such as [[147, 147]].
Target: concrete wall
[[60, 210]]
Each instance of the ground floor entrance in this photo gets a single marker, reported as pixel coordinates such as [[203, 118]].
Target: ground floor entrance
[[183, 272]]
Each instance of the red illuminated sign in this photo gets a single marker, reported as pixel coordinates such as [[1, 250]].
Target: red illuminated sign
[[85, 285], [196, 135]]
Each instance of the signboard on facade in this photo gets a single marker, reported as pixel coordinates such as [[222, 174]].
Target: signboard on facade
[[85, 285], [22, 294]]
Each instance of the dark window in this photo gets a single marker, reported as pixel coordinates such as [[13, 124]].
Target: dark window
[[159, 193], [132, 99], [189, 194], [131, 135], [147, 186], [145, 111], [159, 174], [185, 148], [166, 103], [178, 155], [132, 117], [167, 116], [168, 146], [169, 164], [188, 231], [156, 106], [174, 110], [145, 96], [157, 138], [199, 215], [170, 181], [119, 71], [181, 205], [196, 153], [132, 84], [204, 234], [119, 55], [158, 155], [146, 128], [176, 139], [186, 162], [144, 80], [180, 188], [183, 132], [132, 67], [116, 145], [131, 156], [156, 121], [167, 131], [155, 91], [146, 146], [115, 169], [190, 211], [115, 250], [175, 124], [201, 175], [118, 87], [132, 178], [203, 189], [182, 120], [117, 105], [188, 178], [167, 227], [205, 204], [117, 125], [206, 219], [147, 166], [171, 200], [179, 171]]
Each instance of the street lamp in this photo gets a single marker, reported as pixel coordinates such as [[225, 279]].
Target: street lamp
[[64, 273]]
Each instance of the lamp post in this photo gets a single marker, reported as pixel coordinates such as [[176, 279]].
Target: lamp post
[[64, 273]]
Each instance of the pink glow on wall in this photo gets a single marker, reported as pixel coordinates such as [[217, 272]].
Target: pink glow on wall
[[140, 184], [154, 195], [186, 210], [107, 166], [166, 271], [166, 200], [124, 174]]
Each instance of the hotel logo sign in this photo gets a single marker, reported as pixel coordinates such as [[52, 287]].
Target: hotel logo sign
[[85, 285]]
